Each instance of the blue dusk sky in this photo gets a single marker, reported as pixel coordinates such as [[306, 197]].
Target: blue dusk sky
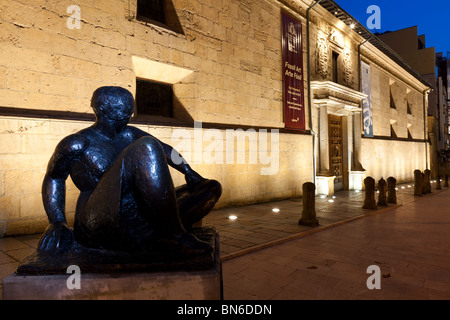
[[432, 18]]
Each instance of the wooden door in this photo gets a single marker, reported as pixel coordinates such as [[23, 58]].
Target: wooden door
[[336, 156]]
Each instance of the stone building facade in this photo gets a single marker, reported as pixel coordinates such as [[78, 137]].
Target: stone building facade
[[219, 64], [412, 47]]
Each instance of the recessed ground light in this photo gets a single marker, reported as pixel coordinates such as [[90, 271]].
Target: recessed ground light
[[334, 197], [409, 186], [331, 200], [276, 210], [232, 217], [403, 187], [323, 196]]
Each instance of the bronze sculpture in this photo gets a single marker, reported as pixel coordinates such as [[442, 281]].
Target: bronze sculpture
[[128, 202]]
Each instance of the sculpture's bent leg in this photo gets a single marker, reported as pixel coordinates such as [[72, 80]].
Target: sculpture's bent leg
[[143, 214], [147, 176], [196, 201]]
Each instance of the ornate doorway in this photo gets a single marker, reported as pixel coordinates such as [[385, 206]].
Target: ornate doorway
[[336, 156]]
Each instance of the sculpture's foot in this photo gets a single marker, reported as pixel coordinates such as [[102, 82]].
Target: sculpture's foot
[[183, 245]]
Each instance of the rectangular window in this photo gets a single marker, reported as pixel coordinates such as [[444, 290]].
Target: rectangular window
[[151, 9], [392, 102], [408, 107], [154, 98], [335, 66], [393, 133]]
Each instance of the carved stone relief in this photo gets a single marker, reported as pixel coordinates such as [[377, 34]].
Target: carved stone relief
[[348, 69], [336, 37], [322, 55]]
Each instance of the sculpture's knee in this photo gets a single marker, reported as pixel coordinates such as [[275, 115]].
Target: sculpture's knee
[[215, 188], [146, 146]]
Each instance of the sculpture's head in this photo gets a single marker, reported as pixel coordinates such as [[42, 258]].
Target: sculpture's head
[[114, 105]]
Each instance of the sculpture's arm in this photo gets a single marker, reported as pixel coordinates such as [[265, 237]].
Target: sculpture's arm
[[58, 235], [53, 187]]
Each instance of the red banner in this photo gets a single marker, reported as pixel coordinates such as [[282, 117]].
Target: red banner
[[293, 89]]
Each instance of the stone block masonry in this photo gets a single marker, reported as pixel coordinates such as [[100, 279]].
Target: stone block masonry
[[231, 52]]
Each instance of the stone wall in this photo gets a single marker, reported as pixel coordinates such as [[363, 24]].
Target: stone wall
[[231, 52], [232, 47], [383, 85], [383, 158]]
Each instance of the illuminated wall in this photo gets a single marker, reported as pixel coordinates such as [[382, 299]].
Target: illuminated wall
[[223, 59]]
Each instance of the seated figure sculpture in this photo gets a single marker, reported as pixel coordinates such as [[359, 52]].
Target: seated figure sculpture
[[127, 201]]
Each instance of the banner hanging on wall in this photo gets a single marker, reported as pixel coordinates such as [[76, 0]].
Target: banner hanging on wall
[[293, 88], [367, 102]]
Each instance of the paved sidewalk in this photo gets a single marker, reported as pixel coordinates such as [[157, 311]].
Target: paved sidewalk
[[256, 227], [410, 244]]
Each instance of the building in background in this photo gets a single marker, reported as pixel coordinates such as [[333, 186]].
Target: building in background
[[259, 95], [443, 72], [412, 48]]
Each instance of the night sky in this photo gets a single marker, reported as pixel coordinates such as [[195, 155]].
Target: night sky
[[432, 17]]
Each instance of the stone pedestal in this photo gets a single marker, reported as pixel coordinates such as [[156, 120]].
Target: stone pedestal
[[382, 188], [176, 283], [309, 217], [356, 180], [392, 193], [369, 201], [325, 185], [199, 285], [418, 181]]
